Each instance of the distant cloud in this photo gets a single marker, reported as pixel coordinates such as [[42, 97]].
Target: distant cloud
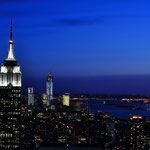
[[53, 22], [78, 21]]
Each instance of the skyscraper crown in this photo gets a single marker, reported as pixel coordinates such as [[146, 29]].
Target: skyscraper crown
[[11, 45], [10, 69]]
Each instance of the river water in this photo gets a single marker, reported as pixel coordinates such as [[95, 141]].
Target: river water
[[118, 108]]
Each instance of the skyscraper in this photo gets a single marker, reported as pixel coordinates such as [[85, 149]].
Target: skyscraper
[[66, 99], [137, 137], [44, 99], [10, 100], [30, 96], [49, 88]]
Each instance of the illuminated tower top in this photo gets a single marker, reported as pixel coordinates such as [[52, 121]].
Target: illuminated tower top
[[11, 45]]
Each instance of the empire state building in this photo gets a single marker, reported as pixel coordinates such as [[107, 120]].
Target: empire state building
[[10, 100], [10, 69]]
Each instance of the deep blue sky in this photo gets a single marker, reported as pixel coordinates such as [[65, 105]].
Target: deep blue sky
[[96, 46]]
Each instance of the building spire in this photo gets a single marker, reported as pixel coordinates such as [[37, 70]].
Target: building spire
[[11, 46], [11, 29]]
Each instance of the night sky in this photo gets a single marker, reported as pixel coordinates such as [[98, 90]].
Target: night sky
[[90, 46]]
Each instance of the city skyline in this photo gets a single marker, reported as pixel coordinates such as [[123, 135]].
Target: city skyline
[[94, 43], [74, 74]]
